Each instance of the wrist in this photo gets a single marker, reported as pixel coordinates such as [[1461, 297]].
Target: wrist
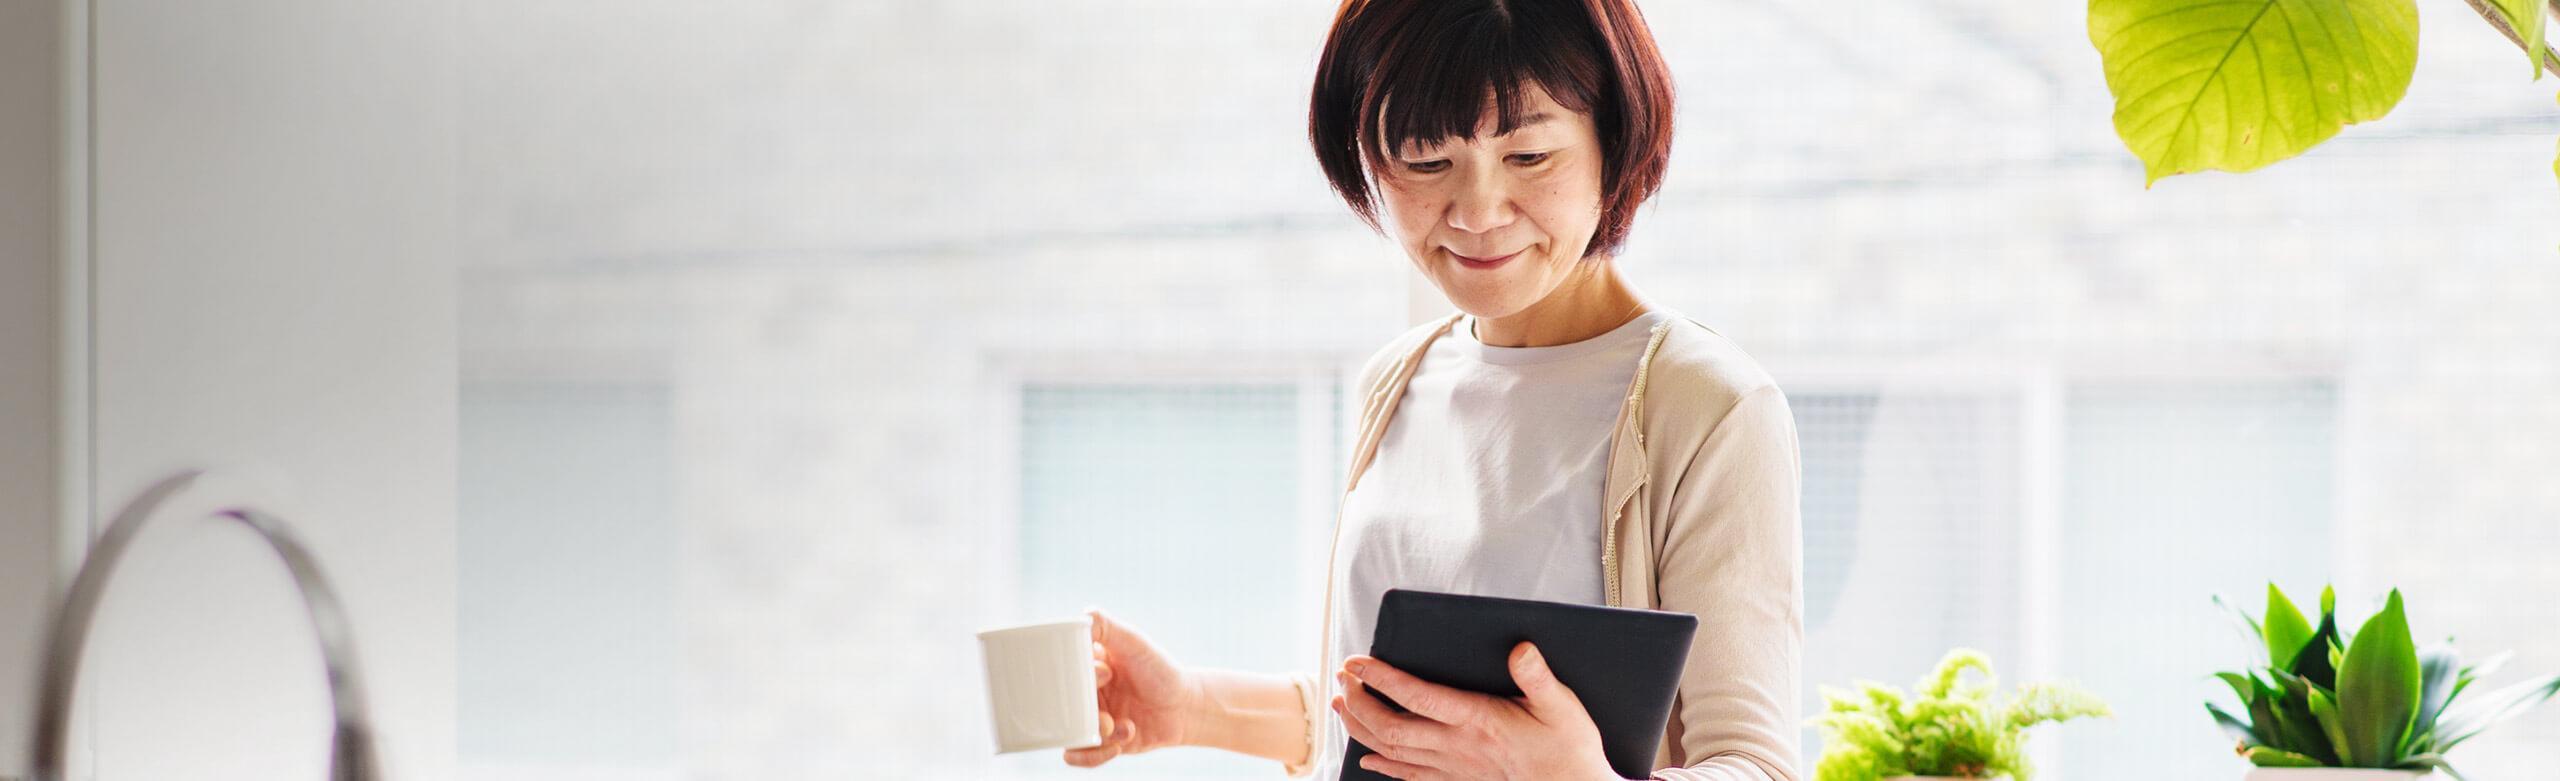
[[1256, 715], [1199, 710]]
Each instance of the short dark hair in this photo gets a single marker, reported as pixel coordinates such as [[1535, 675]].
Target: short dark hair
[[1398, 71]]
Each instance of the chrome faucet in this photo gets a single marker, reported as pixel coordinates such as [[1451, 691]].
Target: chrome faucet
[[351, 749]]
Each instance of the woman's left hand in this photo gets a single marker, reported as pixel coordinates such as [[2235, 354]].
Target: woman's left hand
[[1456, 734]]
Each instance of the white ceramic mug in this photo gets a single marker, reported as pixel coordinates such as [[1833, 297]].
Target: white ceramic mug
[[1040, 687]]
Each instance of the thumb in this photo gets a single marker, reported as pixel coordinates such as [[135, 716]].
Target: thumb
[[1118, 642], [1539, 684], [1101, 625]]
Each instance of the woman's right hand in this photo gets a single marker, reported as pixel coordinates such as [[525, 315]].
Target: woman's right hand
[[1146, 699]]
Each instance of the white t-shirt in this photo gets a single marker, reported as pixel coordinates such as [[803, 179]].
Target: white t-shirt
[[1487, 481]]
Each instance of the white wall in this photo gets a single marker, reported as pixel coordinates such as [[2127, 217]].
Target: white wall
[[273, 291], [28, 406]]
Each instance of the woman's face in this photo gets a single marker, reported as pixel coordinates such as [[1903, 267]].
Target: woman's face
[[1499, 223]]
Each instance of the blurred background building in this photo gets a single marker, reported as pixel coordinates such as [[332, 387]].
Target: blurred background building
[[802, 340]]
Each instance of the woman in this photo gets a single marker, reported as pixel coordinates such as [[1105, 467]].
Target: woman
[[1559, 439]]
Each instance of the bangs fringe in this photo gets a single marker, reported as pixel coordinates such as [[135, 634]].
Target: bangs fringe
[[1437, 88]]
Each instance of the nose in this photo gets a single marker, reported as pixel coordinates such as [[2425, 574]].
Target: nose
[[1482, 201]]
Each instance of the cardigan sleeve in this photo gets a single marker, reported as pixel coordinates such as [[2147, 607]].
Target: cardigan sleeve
[[1731, 554], [1310, 697]]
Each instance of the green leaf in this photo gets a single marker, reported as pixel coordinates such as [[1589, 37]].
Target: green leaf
[[2267, 715], [1942, 680], [2241, 685], [2328, 602], [2298, 728], [2286, 631], [2326, 711], [2042, 703], [2439, 669], [2430, 762], [2237, 729], [2314, 663], [2461, 722], [2268, 757], [2526, 17], [2238, 84], [2378, 687]]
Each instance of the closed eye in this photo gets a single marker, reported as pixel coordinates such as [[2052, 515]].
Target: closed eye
[[1427, 166], [1526, 159]]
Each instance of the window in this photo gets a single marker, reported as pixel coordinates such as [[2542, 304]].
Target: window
[[2171, 493], [1923, 532], [1186, 510], [1912, 533], [567, 630]]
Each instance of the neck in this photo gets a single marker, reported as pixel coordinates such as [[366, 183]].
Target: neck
[[1593, 302]]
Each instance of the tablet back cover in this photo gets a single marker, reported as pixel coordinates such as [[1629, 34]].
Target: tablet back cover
[[1624, 664]]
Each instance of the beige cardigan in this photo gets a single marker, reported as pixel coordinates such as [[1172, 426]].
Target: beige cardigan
[[1701, 518]]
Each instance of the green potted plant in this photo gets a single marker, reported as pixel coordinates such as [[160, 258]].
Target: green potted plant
[[2330, 705], [1951, 729]]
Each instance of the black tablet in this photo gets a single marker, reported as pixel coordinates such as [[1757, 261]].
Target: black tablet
[[1623, 663]]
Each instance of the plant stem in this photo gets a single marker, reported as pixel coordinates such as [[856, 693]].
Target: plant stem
[[2550, 58]]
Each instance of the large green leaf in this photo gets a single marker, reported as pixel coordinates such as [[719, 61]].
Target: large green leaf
[[2238, 84], [2285, 628], [2525, 16], [2378, 687]]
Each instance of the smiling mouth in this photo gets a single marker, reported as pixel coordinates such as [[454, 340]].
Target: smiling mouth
[[1484, 263]]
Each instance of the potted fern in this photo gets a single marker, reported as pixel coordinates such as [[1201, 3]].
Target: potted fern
[[2368, 705], [1951, 729]]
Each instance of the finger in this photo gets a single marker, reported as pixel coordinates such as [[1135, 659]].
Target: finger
[[1547, 696], [1105, 631], [1110, 728], [1101, 674], [1091, 757], [1430, 700], [1353, 726], [1393, 769], [1383, 730], [1118, 644], [1366, 737], [1124, 737]]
